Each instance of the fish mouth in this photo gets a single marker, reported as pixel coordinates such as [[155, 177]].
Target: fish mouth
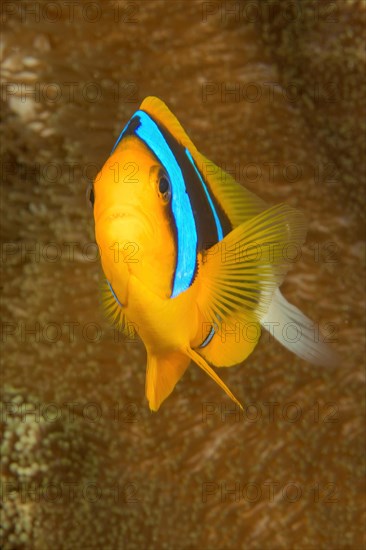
[[134, 217], [119, 215], [124, 235]]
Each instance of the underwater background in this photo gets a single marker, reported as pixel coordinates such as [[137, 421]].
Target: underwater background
[[272, 91]]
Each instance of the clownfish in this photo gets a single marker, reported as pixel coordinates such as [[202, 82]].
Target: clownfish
[[189, 255]]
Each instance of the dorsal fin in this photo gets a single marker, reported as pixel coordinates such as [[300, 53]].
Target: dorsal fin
[[156, 108], [238, 203]]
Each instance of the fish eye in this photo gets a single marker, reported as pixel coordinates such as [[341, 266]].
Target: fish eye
[[90, 195], [164, 187]]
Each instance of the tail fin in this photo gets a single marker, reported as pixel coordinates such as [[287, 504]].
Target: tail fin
[[306, 342]]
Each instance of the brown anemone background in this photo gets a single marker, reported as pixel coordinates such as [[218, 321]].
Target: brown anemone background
[[84, 462]]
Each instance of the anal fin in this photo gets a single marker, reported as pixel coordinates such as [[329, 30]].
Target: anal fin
[[163, 372]]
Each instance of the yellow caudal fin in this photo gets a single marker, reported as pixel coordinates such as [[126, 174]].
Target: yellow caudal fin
[[211, 373], [238, 277], [230, 342], [298, 333], [162, 374]]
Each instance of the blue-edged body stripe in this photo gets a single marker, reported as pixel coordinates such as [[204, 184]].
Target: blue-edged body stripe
[[148, 131], [211, 221], [217, 221], [198, 220]]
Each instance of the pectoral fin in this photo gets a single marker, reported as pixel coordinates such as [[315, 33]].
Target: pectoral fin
[[114, 310], [238, 276]]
